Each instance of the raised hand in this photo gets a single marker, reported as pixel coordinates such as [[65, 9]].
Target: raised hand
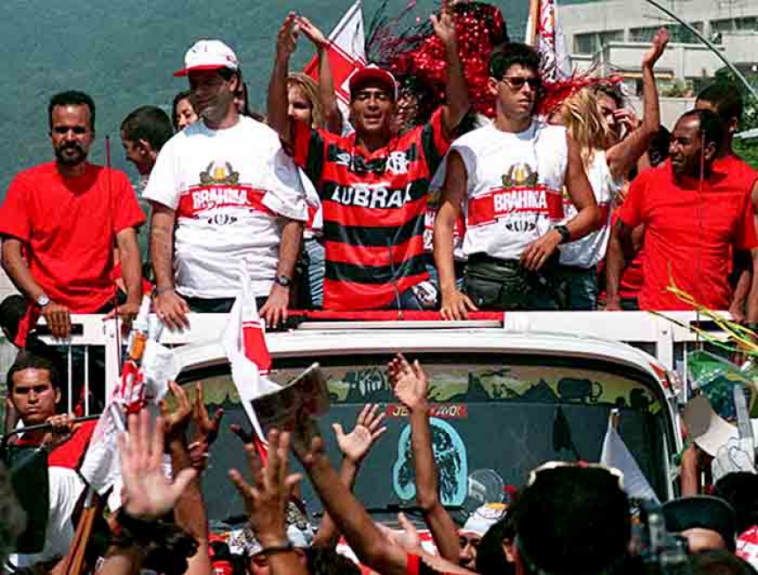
[[147, 493], [368, 428], [409, 382], [660, 41], [286, 39], [206, 427], [407, 537], [311, 32], [266, 500], [175, 422], [444, 24]]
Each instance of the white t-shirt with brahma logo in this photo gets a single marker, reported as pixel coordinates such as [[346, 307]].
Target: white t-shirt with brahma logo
[[514, 187], [230, 189]]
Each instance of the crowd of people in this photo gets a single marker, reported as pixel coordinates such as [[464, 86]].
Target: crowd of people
[[392, 203], [389, 204], [569, 518]]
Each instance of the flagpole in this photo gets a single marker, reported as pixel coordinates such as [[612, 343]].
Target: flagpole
[[532, 22], [709, 45]]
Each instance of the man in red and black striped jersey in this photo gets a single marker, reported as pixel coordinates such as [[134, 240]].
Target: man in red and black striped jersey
[[373, 183]]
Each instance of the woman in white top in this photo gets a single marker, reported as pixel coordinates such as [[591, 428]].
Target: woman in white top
[[611, 144]]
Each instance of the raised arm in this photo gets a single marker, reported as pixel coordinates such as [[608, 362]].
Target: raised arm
[[278, 102], [411, 387], [354, 446], [190, 512], [266, 501], [332, 114], [455, 305], [625, 154], [457, 102]]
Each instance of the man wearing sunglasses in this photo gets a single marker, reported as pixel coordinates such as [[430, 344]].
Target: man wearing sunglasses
[[373, 184], [507, 179]]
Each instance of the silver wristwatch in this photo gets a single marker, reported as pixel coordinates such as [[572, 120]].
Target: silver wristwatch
[[43, 300]]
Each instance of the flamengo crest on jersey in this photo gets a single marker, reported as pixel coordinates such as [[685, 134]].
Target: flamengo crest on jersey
[[514, 187]]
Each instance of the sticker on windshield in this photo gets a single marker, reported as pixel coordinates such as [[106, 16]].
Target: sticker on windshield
[[449, 455]]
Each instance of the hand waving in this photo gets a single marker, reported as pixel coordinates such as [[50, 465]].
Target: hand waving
[[148, 494], [444, 24], [286, 39], [409, 382], [266, 500], [660, 41], [356, 444]]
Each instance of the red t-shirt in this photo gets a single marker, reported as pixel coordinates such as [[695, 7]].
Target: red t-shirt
[[373, 209], [69, 227], [689, 234], [70, 453]]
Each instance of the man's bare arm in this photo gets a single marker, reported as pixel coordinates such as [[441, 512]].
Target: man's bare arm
[[131, 271], [587, 220], [455, 305], [275, 308], [457, 98], [411, 386], [624, 155], [620, 251], [332, 114], [171, 308], [56, 314], [278, 102]]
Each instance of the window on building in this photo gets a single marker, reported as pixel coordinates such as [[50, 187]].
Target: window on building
[[747, 24], [679, 34], [593, 42]]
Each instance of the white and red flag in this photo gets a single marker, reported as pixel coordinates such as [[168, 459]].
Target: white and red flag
[[347, 52], [544, 33], [244, 342]]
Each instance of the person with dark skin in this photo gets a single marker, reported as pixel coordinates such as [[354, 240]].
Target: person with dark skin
[[143, 133], [373, 188], [411, 386], [668, 201], [725, 100], [43, 215]]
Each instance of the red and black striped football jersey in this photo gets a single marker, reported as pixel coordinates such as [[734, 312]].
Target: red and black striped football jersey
[[373, 208]]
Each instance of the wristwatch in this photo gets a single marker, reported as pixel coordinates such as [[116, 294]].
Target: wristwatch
[[283, 281], [565, 233], [43, 300]]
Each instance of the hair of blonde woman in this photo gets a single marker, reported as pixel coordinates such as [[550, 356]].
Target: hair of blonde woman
[[309, 88], [585, 123]]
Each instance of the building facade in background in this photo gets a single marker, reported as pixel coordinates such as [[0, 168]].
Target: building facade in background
[[613, 35]]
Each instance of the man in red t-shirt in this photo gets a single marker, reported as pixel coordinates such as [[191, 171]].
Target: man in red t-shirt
[[725, 100], [693, 220], [60, 221], [373, 184]]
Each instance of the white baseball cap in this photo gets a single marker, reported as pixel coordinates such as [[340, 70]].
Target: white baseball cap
[[480, 521], [208, 55]]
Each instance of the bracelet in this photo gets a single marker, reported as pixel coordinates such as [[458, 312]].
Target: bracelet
[[280, 548], [161, 291]]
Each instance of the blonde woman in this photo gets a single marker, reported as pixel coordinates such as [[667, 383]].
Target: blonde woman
[[611, 144]]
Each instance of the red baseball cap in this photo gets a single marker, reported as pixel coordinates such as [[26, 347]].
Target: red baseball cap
[[372, 72], [208, 55]]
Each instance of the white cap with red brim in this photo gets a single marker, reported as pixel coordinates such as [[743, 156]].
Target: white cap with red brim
[[208, 55], [373, 73]]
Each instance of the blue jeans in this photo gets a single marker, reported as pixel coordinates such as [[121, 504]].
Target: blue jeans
[[578, 288]]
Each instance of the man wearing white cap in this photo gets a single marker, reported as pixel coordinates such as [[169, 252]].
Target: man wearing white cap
[[478, 523], [373, 184], [222, 192]]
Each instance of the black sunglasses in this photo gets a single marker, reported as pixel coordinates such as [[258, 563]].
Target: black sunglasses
[[517, 82]]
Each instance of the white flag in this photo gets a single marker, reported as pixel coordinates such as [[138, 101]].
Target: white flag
[[544, 33], [245, 346], [616, 454]]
